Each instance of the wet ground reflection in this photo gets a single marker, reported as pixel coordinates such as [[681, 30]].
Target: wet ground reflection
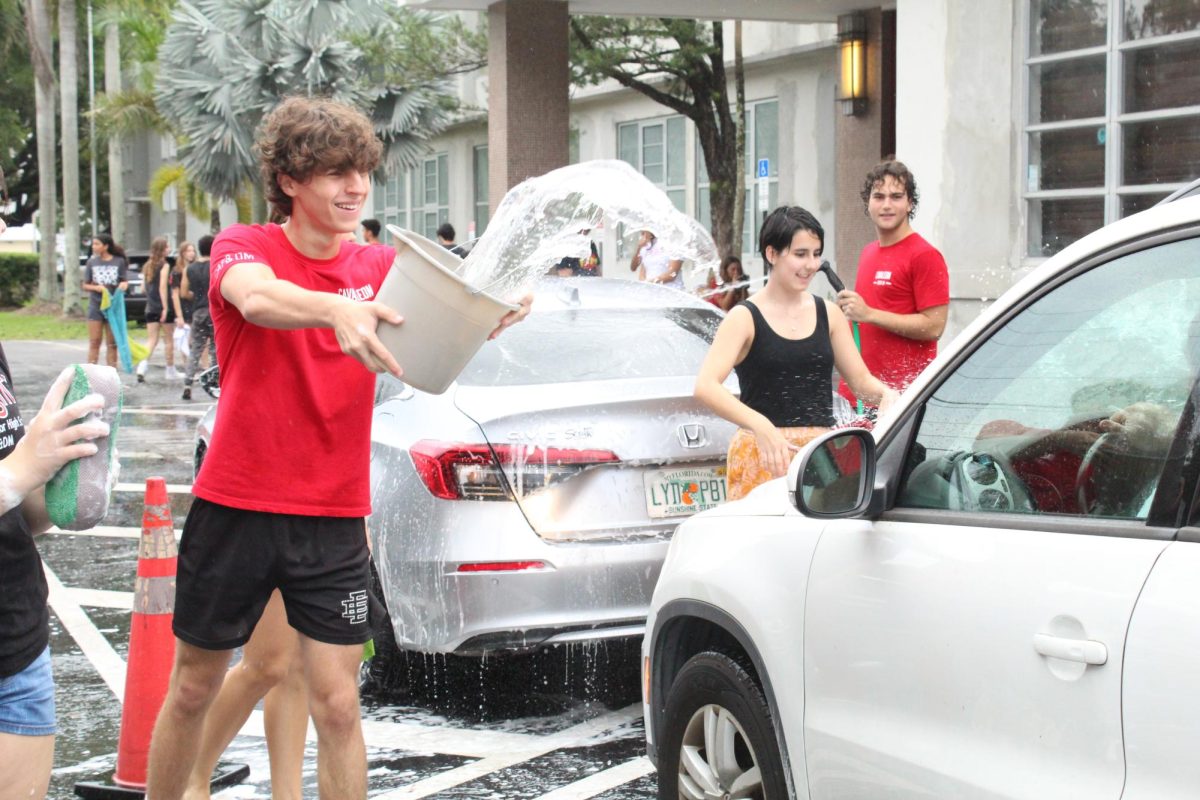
[[540, 692]]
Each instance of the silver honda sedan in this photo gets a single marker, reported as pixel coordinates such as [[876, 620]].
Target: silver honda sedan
[[533, 502]]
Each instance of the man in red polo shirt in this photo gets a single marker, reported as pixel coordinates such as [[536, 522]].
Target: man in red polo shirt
[[902, 293]]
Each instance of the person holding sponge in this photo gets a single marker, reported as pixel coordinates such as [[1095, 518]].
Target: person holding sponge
[[30, 455]]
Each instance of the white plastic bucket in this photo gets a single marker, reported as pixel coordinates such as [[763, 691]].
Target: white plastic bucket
[[446, 320]]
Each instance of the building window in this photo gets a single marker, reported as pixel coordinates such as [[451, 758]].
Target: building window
[[656, 149], [431, 195], [391, 202], [762, 141], [481, 191], [1113, 119]]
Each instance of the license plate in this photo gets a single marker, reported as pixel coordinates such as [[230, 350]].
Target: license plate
[[679, 492]]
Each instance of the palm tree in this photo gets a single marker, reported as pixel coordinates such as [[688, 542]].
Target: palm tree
[[190, 198], [68, 71], [226, 63], [41, 49]]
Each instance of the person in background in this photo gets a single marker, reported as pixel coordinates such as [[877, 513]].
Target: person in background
[[370, 231], [445, 237], [783, 345], [185, 257], [160, 308], [732, 275], [902, 293], [270, 670], [651, 262], [589, 266], [107, 269], [174, 282], [194, 287], [28, 459]]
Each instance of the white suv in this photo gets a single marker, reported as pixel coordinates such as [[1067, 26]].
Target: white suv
[[996, 594]]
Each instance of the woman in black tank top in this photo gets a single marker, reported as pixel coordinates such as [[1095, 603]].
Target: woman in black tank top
[[784, 344]]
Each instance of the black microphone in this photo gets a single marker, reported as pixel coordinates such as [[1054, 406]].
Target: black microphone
[[834, 280]]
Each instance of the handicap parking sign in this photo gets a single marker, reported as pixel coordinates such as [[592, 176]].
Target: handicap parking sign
[[764, 167]]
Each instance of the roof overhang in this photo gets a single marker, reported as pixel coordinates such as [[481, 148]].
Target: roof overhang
[[795, 11]]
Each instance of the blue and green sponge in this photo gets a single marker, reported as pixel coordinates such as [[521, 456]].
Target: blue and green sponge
[[77, 497]]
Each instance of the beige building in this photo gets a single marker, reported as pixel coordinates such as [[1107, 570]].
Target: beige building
[[1027, 123]]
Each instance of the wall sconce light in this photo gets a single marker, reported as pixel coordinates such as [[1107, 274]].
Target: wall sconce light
[[852, 53]]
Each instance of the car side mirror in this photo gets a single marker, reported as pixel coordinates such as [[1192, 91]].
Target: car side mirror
[[834, 477]]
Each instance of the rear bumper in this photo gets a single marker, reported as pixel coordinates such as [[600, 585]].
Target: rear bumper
[[584, 591]]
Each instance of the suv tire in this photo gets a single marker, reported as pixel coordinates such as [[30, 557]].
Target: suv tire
[[714, 690]]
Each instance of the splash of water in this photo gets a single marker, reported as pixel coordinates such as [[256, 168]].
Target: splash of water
[[729, 287], [540, 220]]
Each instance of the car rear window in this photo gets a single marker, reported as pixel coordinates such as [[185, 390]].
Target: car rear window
[[595, 344]]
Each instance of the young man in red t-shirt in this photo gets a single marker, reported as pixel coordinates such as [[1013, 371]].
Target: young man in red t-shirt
[[284, 490], [902, 292]]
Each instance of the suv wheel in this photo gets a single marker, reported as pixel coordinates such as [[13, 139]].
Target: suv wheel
[[718, 741]]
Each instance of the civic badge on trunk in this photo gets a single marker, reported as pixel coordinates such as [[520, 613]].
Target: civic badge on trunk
[[692, 435]]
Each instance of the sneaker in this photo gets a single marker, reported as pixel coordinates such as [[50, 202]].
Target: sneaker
[[172, 373], [187, 393], [141, 370]]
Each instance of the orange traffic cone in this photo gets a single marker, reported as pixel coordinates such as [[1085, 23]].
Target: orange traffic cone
[[151, 654], [151, 642]]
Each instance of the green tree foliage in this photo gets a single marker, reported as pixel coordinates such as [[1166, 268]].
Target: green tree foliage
[[679, 63], [415, 47], [16, 96], [18, 278], [226, 63]]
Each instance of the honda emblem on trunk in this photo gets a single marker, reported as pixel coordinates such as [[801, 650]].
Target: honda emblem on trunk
[[691, 435]]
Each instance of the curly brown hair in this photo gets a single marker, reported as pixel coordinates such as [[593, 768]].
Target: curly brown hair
[[895, 169], [305, 135]]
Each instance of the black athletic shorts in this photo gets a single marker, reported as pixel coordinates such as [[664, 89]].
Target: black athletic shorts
[[230, 560]]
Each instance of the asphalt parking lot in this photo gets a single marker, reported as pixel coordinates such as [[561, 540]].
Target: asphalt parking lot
[[564, 724]]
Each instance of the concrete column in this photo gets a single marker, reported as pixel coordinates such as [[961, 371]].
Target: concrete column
[[956, 103], [860, 141], [527, 92]]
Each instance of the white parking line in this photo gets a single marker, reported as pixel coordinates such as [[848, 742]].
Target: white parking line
[[165, 412], [91, 641], [141, 455], [457, 776], [172, 488], [104, 532], [446, 741], [600, 782], [101, 598], [538, 745]]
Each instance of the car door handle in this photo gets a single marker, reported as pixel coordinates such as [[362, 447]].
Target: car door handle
[[1085, 651]]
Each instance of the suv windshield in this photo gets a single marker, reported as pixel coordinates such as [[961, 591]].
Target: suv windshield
[[595, 344]]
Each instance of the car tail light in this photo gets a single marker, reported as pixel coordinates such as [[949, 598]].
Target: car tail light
[[501, 566], [456, 471]]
